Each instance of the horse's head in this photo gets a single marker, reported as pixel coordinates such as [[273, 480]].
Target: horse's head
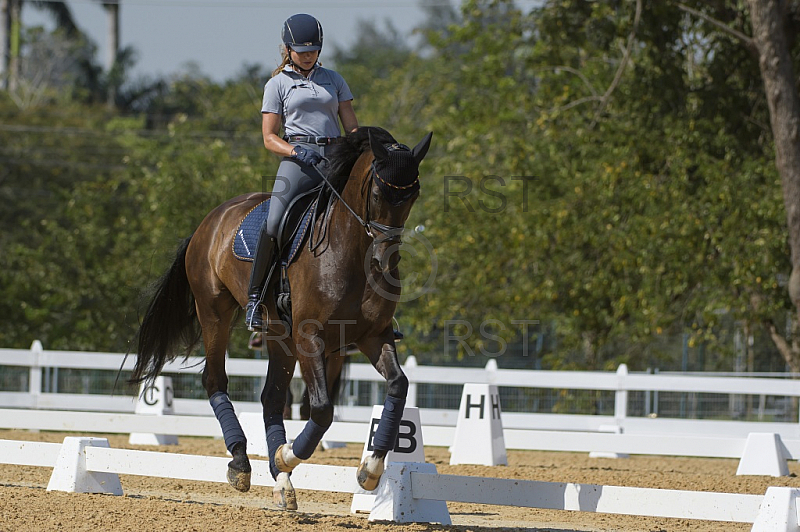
[[393, 189]]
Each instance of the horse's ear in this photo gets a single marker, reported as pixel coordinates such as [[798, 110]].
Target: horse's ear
[[378, 149], [421, 149]]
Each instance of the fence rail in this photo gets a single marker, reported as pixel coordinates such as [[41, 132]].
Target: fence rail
[[405, 487], [38, 369], [432, 435]]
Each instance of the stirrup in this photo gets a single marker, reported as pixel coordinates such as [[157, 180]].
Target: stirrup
[[397, 334], [256, 342]]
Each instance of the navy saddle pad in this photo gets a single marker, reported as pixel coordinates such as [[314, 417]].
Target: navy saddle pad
[[246, 237]]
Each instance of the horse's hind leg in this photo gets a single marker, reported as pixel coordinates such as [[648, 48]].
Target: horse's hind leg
[[312, 364], [273, 399], [305, 406], [216, 332], [382, 354], [287, 408]]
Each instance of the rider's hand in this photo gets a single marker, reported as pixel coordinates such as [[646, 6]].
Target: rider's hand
[[306, 155]]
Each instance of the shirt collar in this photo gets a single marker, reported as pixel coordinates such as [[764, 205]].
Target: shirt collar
[[288, 68]]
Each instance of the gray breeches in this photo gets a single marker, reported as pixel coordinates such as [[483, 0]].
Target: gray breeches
[[293, 179]]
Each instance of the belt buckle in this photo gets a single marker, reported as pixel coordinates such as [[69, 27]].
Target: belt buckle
[[321, 141]]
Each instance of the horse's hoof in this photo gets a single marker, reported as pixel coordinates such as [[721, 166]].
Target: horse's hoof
[[239, 479], [284, 499], [285, 460], [369, 479], [239, 469], [283, 494]]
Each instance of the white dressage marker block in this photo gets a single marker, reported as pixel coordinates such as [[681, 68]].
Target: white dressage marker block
[[778, 512], [613, 429], [394, 501], [70, 472], [479, 430], [409, 448], [155, 400], [764, 454]]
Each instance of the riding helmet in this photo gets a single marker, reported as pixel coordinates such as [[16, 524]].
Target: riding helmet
[[302, 33]]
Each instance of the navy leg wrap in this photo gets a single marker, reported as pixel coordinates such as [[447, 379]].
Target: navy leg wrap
[[276, 436], [386, 434], [231, 430], [303, 447]]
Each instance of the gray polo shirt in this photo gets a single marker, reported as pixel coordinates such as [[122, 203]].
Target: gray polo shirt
[[307, 106]]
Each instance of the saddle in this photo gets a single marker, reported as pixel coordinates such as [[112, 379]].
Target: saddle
[[293, 230]]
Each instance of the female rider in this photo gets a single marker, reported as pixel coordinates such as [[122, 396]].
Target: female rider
[[308, 101]]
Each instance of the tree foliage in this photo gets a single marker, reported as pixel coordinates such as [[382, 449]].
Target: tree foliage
[[601, 181]]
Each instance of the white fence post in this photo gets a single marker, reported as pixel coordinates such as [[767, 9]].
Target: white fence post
[[409, 369], [621, 396], [764, 454], [35, 379], [778, 511], [491, 371], [796, 401], [395, 502], [71, 474], [409, 448]]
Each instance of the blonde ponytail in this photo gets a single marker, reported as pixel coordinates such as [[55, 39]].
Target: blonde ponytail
[[285, 59]]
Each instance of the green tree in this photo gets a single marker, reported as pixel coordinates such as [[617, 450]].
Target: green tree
[[96, 202], [628, 121]]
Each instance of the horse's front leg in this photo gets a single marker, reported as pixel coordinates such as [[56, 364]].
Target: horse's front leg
[[370, 471], [312, 365], [273, 399]]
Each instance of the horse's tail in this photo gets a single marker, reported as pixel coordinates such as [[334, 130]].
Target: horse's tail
[[170, 324]]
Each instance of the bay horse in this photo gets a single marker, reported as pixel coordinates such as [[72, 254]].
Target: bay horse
[[341, 293]]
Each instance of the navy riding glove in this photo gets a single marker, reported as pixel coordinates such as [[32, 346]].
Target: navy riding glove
[[305, 155]]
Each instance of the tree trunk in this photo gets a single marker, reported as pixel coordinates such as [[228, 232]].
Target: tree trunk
[[787, 350], [589, 349], [112, 17], [14, 26], [775, 63], [5, 42]]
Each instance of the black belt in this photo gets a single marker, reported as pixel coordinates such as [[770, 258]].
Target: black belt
[[319, 141]]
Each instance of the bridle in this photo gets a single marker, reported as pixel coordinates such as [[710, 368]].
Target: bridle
[[395, 234], [391, 233]]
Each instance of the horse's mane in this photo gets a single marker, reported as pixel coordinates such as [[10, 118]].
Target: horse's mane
[[341, 160], [346, 154]]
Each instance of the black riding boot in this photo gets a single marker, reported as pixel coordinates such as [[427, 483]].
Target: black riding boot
[[261, 266]]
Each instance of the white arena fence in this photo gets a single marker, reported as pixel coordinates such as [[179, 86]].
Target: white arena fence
[[39, 367], [408, 491], [436, 436]]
